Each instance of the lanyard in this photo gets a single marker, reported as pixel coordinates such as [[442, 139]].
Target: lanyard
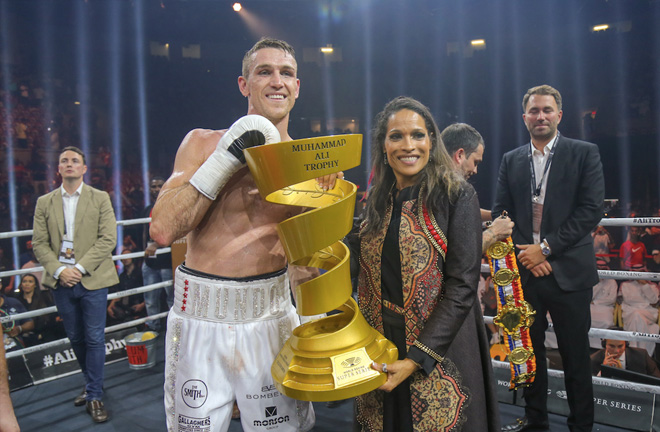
[[66, 206], [535, 188]]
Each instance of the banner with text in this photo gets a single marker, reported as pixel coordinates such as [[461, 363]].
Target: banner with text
[[51, 363], [612, 406]]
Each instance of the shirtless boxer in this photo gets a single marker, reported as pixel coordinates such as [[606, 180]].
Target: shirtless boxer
[[232, 311]]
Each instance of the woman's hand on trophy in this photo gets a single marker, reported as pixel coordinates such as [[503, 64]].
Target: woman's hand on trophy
[[397, 372]]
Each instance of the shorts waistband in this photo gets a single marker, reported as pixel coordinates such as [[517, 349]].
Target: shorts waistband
[[188, 270], [228, 300]]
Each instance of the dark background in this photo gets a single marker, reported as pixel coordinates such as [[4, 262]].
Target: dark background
[[93, 51]]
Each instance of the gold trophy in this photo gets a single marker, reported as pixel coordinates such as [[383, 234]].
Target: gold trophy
[[328, 358]]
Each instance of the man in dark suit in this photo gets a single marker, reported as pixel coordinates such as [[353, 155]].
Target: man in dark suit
[[617, 353], [75, 232], [553, 189]]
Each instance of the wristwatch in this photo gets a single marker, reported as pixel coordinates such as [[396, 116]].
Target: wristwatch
[[545, 248]]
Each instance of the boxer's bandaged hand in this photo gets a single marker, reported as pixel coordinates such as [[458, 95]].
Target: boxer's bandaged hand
[[248, 131]]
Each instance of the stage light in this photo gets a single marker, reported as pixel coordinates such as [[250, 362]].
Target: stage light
[[478, 42], [327, 49], [237, 7], [600, 27]]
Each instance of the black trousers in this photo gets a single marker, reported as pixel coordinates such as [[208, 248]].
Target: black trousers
[[571, 318]]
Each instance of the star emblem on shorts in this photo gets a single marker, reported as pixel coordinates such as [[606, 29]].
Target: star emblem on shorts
[[185, 295]]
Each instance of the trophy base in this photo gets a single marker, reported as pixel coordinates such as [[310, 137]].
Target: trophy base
[[330, 358]]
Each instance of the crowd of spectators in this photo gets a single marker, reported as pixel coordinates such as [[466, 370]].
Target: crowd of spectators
[[629, 304], [36, 129]]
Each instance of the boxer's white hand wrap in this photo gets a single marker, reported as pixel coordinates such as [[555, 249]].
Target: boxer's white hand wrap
[[248, 131]]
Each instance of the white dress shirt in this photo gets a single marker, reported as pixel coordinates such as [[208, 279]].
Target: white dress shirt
[[539, 160], [69, 206]]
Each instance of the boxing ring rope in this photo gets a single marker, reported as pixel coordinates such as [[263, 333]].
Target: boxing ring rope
[[24, 233], [37, 269], [63, 341], [605, 333], [596, 332], [119, 294], [607, 274], [53, 309], [624, 222]]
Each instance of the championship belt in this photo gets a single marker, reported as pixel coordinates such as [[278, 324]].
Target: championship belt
[[514, 314], [328, 358]]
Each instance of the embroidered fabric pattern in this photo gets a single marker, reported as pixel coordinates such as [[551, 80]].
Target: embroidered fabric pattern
[[370, 411], [422, 283], [438, 405], [421, 272], [442, 399], [369, 293], [432, 231]]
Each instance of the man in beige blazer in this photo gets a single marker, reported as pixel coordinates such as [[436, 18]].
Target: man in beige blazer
[[75, 232]]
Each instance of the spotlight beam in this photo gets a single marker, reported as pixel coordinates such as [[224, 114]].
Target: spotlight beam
[[46, 59], [82, 67], [115, 89], [368, 90], [326, 73], [140, 42], [6, 51]]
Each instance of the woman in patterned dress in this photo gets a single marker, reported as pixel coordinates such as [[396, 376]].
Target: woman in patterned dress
[[419, 258]]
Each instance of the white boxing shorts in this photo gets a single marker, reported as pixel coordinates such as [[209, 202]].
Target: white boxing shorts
[[222, 337]]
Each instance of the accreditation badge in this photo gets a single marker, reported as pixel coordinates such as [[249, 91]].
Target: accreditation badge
[[67, 255], [537, 216]]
